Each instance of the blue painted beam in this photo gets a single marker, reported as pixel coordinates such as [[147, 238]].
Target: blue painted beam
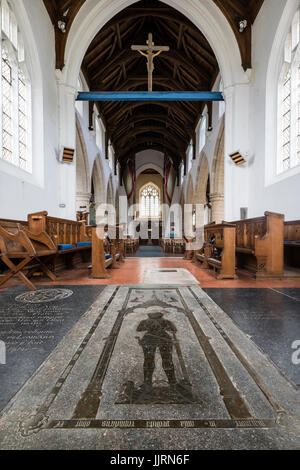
[[150, 96]]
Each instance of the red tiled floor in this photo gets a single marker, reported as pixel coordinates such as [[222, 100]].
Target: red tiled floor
[[132, 272]]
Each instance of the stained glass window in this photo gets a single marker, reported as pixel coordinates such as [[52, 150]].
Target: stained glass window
[[149, 202]]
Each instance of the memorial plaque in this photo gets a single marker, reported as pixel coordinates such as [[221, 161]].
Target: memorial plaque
[[32, 324]]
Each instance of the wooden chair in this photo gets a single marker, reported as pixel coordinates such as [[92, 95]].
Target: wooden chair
[[21, 251]]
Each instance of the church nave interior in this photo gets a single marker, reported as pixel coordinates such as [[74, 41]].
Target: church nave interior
[[149, 225]]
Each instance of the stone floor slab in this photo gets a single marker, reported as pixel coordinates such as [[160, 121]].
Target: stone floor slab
[[174, 276], [151, 367], [32, 324], [271, 317]]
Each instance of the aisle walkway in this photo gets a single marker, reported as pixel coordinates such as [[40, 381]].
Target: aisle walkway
[[134, 269], [149, 252]]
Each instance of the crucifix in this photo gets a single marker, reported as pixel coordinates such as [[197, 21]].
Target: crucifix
[[151, 51]]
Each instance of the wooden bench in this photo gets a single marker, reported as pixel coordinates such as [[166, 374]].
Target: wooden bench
[[292, 243], [173, 245], [259, 245], [21, 251], [105, 251], [166, 245], [114, 242], [131, 245], [218, 251], [72, 239], [189, 252]]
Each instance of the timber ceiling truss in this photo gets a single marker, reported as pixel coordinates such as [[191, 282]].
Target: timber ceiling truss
[[190, 65]]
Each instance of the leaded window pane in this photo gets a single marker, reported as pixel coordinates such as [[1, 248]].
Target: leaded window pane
[[150, 203], [15, 90]]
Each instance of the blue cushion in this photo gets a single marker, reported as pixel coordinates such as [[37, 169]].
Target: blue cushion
[[65, 247], [107, 256], [79, 244]]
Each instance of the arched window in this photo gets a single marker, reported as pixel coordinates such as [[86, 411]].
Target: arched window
[[149, 202], [289, 101], [15, 94]]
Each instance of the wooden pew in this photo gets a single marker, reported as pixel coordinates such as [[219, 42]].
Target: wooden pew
[[72, 240], [259, 245], [114, 243], [173, 245], [166, 245], [218, 251], [292, 243], [100, 260], [118, 239], [131, 245], [189, 252], [106, 252], [21, 250]]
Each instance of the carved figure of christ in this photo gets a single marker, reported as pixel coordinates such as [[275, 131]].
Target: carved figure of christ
[[150, 52]]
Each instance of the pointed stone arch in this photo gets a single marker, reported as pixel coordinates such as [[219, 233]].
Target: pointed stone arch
[[189, 208], [110, 191], [111, 212], [117, 206], [83, 178], [202, 180], [217, 178], [98, 181], [200, 195], [190, 191]]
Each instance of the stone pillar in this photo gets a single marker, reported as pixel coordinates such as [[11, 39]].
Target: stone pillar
[[200, 223], [236, 178], [67, 138], [188, 221], [83, 202], [217, 207]]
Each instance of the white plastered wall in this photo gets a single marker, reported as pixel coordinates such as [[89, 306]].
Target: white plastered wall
[[20, 192], [251, 126], [266, 191]]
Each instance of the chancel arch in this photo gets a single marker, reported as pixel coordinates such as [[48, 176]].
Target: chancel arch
[[205, 15], [217, 179]]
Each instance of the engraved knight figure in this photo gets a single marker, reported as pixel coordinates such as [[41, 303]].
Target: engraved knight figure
[[157, 337]]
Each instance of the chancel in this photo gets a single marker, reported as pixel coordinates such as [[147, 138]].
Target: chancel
[[149, 226]]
